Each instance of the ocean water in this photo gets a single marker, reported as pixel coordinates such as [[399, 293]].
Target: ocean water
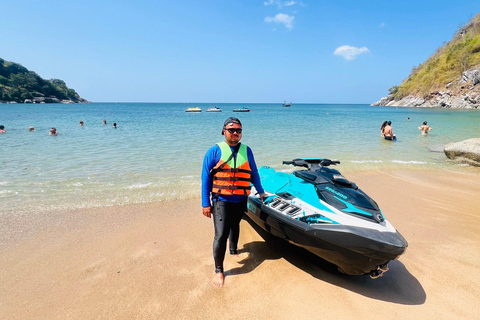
[[157, 150]]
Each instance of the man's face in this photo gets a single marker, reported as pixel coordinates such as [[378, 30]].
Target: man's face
[[233, 133]]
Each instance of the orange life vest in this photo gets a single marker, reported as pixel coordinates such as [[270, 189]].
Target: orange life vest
[[232, 174]]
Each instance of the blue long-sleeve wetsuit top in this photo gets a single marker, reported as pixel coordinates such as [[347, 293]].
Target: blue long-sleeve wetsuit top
[[212, 157]]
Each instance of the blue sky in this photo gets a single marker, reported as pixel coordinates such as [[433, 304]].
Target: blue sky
[[228, 50]]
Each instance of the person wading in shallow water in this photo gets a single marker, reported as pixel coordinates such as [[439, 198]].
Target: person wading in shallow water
[[387, 132], [382, 128], [228, 170], [424, 128]]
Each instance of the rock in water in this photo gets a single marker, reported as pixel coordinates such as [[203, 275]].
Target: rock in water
[[466, 151]]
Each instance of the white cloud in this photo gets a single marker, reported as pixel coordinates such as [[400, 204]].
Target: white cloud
[[280, 4], [288, 3], [349, 52], [283, 18]]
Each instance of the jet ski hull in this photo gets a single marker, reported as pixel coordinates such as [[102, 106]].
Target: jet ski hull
[[355, 250]]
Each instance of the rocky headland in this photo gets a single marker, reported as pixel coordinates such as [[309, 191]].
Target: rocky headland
[[464, 93], [450, 78], [20, 85]]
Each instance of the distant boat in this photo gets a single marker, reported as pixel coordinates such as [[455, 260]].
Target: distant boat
[[194, 109], [285, 104], [215, 109], [243, 109]]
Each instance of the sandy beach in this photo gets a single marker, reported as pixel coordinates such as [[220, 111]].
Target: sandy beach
[[154, 261]]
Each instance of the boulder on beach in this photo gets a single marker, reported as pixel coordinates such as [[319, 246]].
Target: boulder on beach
[[466, 151]]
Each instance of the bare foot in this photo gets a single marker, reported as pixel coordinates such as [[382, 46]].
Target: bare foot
[[218, 280]]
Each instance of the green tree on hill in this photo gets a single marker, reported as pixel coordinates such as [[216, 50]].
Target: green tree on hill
[[17, 84]]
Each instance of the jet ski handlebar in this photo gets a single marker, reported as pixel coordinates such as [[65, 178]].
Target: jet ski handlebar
[[311, 164]]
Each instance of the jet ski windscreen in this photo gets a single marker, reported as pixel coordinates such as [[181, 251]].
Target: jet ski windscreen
[[338, 196]]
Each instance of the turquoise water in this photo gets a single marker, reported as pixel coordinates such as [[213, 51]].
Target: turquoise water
[[156, 152]]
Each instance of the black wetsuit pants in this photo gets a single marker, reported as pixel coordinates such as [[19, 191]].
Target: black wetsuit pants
[[226, 219]]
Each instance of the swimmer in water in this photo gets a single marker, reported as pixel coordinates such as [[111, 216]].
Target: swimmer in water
[[424, 128]]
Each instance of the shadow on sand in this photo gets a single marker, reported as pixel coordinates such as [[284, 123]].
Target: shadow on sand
[[397, 285]]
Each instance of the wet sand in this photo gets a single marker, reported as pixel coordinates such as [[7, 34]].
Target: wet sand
[[154, 261]]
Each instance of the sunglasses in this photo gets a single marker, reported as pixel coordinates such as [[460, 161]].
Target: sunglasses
[[239, 131]]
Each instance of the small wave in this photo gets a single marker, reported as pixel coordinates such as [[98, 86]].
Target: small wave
[[436, 148], [139, 185], [3, 183], [4, 191], [156, 195], [367, 161], [77, 184], [409, 162]]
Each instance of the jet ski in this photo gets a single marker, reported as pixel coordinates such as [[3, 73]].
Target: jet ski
[[320, 210]]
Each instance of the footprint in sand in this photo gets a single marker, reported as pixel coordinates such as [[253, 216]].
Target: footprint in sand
[[95, 270]]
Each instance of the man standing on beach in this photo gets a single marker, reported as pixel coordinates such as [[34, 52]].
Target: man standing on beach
[[228, 170]]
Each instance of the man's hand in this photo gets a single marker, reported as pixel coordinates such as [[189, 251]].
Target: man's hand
[[263, 197], [207, 211]]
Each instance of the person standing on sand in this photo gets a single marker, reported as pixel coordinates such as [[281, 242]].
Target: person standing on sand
[[424, 128], [228, 170]]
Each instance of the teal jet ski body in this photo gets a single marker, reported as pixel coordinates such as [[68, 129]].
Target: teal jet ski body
[[320, 210]]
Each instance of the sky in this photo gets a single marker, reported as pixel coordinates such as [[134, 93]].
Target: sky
[[237, 51]]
